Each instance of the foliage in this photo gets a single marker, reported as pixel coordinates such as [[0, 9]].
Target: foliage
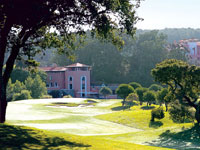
[[147, 52], [157, 113], [24, 94], [105, 91], [130, 99], [18, 87], [180, 113], [135, 85], [36, 86], [149, 97], [183, 81], [123, 91], [67, 96], [46, 97], [56, 93], [19, 74], [161, 95], [140, 92], [155, 87]]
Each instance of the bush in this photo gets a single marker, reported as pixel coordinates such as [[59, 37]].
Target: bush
[[157, 113], [180, 113], [25, 94], [55, 93], [155, 87], [46, 96], [135, 85], [67, 96]]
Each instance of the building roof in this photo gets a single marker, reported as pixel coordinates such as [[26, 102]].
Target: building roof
[[77, 65], [53, 68]]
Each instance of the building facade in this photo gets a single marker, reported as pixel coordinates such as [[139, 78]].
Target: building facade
[[193, 45], [74, 80]]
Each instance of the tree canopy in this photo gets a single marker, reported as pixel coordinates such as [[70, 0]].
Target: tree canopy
[[26, 28], [183, 81]]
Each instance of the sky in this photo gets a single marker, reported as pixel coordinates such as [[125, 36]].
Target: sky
[[160, 14]]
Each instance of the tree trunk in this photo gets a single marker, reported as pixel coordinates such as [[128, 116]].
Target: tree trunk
[[3, 105], [197, 114], [166, 106]]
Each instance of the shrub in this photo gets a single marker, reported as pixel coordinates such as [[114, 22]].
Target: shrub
[[25, 94], [46, 96], [135, 85], [157, 113], [55, 93], [180, 113], [67, 96], [155, 87]]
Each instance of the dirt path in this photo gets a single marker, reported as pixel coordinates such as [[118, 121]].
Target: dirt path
[[74, 120]]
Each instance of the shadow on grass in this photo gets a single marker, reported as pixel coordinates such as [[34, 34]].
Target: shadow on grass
[[15, 137], [155, 124], [147, 107], [118, 108], [188, 139]]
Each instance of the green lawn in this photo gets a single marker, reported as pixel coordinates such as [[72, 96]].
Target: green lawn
[[113, 129], [164, 132], [21, 138]]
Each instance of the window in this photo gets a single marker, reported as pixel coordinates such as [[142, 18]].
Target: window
[[56, 84], [83, 94], [70, 86], [70, 78], [51, 84], [83, 86], [50, 77], [83, 78], [47, 84]]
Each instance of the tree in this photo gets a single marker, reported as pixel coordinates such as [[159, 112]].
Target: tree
[[135, 85], [140, 92], [24, 94], [149, 97], [105, 91], [155, 87], [123, 91], [157, 113], [130, 99], [25, 29], [183, 81], [36, 87], [162, 97]]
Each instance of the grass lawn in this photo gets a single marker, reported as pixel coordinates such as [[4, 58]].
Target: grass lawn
[[104, 126], [164, 132], [17, 137]]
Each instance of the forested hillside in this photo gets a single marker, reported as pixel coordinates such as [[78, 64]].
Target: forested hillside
[[133, 63]]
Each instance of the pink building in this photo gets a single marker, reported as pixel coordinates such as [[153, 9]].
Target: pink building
[[73, 79], [193, 45]]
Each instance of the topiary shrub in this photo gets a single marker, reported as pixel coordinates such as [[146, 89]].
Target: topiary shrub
[[25, 94], [157, 113]]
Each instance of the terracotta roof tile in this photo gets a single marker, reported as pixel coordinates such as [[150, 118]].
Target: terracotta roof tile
[[53, 68]]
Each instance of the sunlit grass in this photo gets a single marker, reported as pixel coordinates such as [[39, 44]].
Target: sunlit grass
[[20, 138]]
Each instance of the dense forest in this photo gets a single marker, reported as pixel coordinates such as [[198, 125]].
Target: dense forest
[[133, 63]]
